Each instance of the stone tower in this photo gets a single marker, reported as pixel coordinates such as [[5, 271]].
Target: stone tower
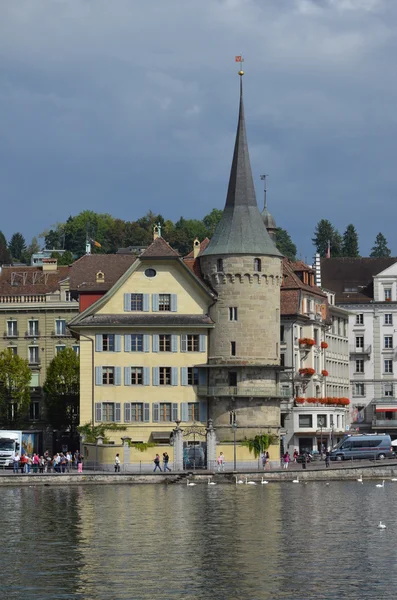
[[243, 266]]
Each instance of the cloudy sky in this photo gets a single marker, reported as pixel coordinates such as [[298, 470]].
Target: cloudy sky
[[122, 106]]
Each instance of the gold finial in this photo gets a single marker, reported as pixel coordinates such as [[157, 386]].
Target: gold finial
[[240, 59]]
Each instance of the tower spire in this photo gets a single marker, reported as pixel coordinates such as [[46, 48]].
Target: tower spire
[[241, 229]]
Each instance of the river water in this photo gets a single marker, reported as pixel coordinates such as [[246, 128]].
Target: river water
[[223, 542]]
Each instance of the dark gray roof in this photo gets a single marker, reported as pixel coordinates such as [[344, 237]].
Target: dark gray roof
[[146, 320], [241, 229], [268, 219]]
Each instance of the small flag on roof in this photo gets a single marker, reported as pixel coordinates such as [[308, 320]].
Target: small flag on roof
[[97, 244], [239, 59]]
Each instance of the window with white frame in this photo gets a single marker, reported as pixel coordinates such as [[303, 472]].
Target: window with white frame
[[388, 390], [388, 319], [136, 375], [360, 319], [13, 349], [33, 328], [359, 389], [34, 411], [164, 302], [33, 355], [12, 329], [232, 313], [360, 365], [388, 366], [305, 421], [165, 343], [137, 342], [387, 292], [359, 341], [60, 327], [68, 296], [388, 342], [76, 349]]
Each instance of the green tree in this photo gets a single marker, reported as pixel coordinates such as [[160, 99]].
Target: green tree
[[63, 259], [211, 221], [17, 245], [259, 443], [90, 432], [5, 256], [285, 244], [184, 233], [350, 242], [62, 389], [380, 249], [325, 232], [15, 377], [33, 248]]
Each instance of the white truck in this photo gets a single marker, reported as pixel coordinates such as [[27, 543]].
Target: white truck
[[12, 441]]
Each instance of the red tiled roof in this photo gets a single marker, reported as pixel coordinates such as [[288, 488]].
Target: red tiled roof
[[84, 271], [292, 286], [289, 302], [194, 263], [159, 249], [22, 280]]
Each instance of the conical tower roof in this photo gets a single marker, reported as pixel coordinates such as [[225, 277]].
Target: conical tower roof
[[241, 229]]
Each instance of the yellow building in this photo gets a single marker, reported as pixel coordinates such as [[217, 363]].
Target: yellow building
[[35, 308], [142, 344]]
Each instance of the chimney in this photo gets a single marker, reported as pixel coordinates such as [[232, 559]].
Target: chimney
[[196, 247], [317, 269], [49, 264]]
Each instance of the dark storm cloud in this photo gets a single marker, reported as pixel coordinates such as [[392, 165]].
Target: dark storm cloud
[[123, 106]]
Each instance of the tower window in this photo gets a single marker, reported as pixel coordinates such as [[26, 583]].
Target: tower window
[[233, 348], [219, 265], [257, 264], [232, 313], [232, 378]]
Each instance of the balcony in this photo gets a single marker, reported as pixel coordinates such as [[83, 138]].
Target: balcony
[[32, 334], [384, 423], [364, 350], [34, 362], [10, 334], [225, 390]]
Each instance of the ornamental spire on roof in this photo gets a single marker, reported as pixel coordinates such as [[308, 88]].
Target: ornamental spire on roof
[[241, 229]]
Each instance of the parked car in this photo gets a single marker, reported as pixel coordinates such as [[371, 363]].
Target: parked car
[[369, 446]]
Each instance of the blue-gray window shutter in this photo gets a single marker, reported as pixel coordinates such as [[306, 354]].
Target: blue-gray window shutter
[[155, 343], [155, 413], [127, 412], [146, 412], [117, 343], [174, 343], [202, 343], [117, 412], [146, 343], [203, 411], [155, 376], [127, 302], [98, 375], [98, 343], [174, 375], [117, 375], [127, 343], [183, 376], [174, 411], [155, 302], [98, 412], [183, 342], [174, 303], [127, 375], [146, 375], [145, 302], [184, 411], [202, 376]]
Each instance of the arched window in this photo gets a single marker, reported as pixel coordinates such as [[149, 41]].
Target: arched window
[[219, 265], [257, 264]]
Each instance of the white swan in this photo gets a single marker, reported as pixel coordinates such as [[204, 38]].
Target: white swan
[[238, 481], [249, 482], [381, 525], [211, 482], [190, 483], [360, 479], [381, 485], [295, 480], [264, 482], [394, 479]]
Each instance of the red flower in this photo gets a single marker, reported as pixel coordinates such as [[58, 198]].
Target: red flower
[[299, 400], [324, 372], [324, 345], [306, 342]]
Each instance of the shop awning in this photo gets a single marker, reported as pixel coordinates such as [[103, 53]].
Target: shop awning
[[385, 408], [161, 435]]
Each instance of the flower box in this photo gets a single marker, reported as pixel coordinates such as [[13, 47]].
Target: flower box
[[300, 400], [308, 371], [306, 342], [324, 372], [324, 345]]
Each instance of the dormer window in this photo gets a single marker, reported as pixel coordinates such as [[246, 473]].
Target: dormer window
[[257, 265], [219, 265], [100, 277]]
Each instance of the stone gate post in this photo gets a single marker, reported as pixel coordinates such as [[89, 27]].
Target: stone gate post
[[211, 446], [178, 447]]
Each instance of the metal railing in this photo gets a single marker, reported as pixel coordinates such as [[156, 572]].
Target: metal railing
[[360, 350], [227, 390]]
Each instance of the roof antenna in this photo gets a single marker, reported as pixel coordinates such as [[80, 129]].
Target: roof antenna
[[263, 178]]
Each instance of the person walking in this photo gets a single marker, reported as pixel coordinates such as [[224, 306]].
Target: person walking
[[295, 455], [286, 460], [15, 462], [156, 463], [35, 461], [327, 459], [166, 458], [221, 462], [42, 463], [80, 459], [117, 463]]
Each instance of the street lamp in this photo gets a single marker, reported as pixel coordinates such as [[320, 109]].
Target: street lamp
[[233, 423], [332, 433], [321, 423]]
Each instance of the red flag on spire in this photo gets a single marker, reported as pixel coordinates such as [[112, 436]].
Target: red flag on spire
[[239, 59]]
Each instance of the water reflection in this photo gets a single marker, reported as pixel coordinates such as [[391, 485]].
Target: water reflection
[[209, 542]]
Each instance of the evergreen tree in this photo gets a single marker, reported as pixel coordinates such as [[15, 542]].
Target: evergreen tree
[[17, 245], [380, 249], [64, 259], [5, 256], [285, 244], [325, 232], [350, 242]]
